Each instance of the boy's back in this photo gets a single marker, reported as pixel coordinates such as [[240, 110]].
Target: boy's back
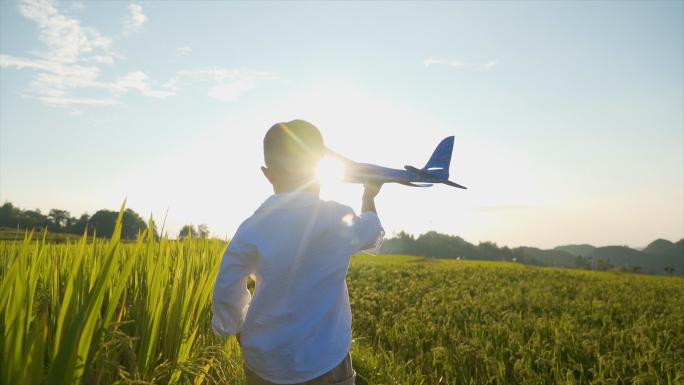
[[297, 248]]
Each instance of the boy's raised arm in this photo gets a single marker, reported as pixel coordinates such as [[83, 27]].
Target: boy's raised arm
[[370, 191], [369, 231]]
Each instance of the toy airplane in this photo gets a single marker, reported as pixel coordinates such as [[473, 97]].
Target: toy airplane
[[435, 171]]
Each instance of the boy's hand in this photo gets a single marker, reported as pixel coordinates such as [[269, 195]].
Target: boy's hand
[[371, 189]]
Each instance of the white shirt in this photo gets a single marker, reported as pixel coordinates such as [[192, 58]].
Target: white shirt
[[297, 249]]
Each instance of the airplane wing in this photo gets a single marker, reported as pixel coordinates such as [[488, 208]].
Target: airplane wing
[[415, 184], [419, 172], [450, 183], [428, 175]]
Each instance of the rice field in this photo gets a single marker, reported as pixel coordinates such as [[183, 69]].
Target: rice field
[[103, 312], [500, 323]]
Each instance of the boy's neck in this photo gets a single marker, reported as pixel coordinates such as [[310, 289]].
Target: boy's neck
[[280, 188]]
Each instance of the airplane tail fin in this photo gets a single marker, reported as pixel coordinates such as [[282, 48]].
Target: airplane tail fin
[[441, 158]]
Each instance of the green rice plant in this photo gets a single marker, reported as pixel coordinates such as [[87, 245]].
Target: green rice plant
[[385, 258], [473, 323], [106, 312]]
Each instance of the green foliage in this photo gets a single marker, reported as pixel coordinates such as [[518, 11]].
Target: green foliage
[[435, 245], [59, 218], [107, 312], [8, 234], [103, 222], [190, 231], [14, 217], [384, 258], [492, 323]]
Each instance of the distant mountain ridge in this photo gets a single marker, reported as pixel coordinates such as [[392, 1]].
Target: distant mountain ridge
[[653, 259], [648, 261], [576, 250], [657, 246], [660, 257], [556, 258]]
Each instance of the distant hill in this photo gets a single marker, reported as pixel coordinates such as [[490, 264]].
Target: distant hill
[[676, 252], [618, 256], [657, 246], [652, 260], [659, 254], [553, 257], [576, 249], [649, 262]]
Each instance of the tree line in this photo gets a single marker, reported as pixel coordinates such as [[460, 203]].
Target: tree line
[[434, 244], [190, 231], [61, 221], [102, 223]]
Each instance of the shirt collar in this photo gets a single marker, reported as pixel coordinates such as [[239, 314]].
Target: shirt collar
[[290, 200]]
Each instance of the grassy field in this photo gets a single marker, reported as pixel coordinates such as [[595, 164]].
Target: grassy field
[[7, 234], [103, 312], [471, 323]]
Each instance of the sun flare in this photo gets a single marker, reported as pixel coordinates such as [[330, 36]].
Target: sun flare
[[330, 170]]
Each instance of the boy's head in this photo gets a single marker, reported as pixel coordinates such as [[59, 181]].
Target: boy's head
[[292, 152]]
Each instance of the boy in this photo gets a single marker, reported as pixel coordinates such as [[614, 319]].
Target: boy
[[297, 327]]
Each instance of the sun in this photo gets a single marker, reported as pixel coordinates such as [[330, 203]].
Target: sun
[[330, 170]]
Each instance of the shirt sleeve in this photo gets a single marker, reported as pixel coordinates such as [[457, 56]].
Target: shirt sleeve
[[368, 233], [231, 297]]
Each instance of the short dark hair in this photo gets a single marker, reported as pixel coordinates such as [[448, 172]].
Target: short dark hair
[[294, 147]]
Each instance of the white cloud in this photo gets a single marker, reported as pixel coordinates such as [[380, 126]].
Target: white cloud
[[134, 21], [101, 59], [229, 92], [452, 63], [429, 61], [158, 94], [213, 73], [9, 61], [63, 101], [228, 84], [64, 36], [171, 84], [490, 64], [139, 81], [184, 50], [457, 63], [74, 55], [76, 6], [72, 58]]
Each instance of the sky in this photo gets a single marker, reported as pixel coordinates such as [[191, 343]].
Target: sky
[[568, 117]]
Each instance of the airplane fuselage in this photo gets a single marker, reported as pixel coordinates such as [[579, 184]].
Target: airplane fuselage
[[435, 171], [360, 172]]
